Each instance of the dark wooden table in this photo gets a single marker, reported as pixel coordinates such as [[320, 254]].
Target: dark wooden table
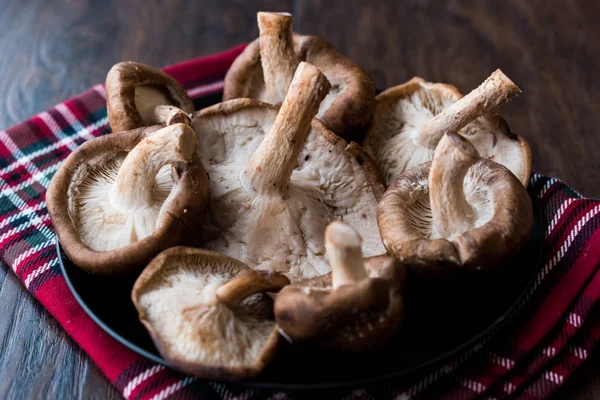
[[52, 50]]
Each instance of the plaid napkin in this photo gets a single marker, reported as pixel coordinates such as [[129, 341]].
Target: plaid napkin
[[535, 352]]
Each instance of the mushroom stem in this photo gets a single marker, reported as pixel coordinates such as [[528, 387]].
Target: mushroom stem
[[170, 115], [236, 290], [452, 214], [494, 91], [278, 59], [271, 165], [344, 250], [135, 182]]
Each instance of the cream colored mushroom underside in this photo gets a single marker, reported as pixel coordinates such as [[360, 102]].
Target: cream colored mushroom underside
[[393, 140], [146, 100], [208, 332], [418, 209], [274, 233], [257, 90], [102, 226]]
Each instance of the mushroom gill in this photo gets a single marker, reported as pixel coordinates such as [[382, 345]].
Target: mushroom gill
[[410, 119], [278, 177]]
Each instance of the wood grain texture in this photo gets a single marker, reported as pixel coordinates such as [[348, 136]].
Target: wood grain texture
[[53, 50]]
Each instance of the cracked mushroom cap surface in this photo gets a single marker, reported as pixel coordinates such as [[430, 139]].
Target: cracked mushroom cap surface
[[264, 71], [278, 177], [139, 95], [458, 212], [357, 307], [208, 314], [410, 119], [118, 200]]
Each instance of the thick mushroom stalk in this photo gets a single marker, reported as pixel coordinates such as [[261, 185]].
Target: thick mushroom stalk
[[154, 109], [270, 167], [497, 89], [452, 213], [134, 187], [343, 246], [236, 290], [278, 59], [265, 69]]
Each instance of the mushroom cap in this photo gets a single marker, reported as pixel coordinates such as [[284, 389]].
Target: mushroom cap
[[401, 111], [177, 300], [328, 183], [77, 200], [348, 107], [357, 317], [502, 221], [133, 89]]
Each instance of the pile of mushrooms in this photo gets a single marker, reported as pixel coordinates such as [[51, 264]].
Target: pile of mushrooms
[[253, 223]]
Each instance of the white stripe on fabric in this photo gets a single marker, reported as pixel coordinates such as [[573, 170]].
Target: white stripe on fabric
[[558, 215], [29, 252], [26, 210], [20, 228], [509, 387], [135, 382], [578, 352], [535, 178], [73, 121], [63, 142], [472, 385], [16, 151], [502, 361], [168, 391], [206, 89], [37, 272], [549, 351], [574, 320], [547, 186], [553, 377], [55, 129], [39, 177], [563, 249], [18, 215]]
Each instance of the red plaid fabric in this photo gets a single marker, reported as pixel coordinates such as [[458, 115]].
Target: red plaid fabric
[[537, 350]]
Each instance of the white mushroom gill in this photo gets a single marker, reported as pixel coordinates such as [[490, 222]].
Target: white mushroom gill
[[406, 133], [282, 229], [118, 200], [395, 140], [191, 322]]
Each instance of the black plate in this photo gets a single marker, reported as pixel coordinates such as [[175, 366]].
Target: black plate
[[443, 318]]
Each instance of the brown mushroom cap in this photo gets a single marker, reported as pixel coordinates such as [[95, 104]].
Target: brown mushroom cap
[[273, 58], [458, 212], [118, 200], [410, 119], [357, 307], [138, 95], [278, 177], [208, 314]]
